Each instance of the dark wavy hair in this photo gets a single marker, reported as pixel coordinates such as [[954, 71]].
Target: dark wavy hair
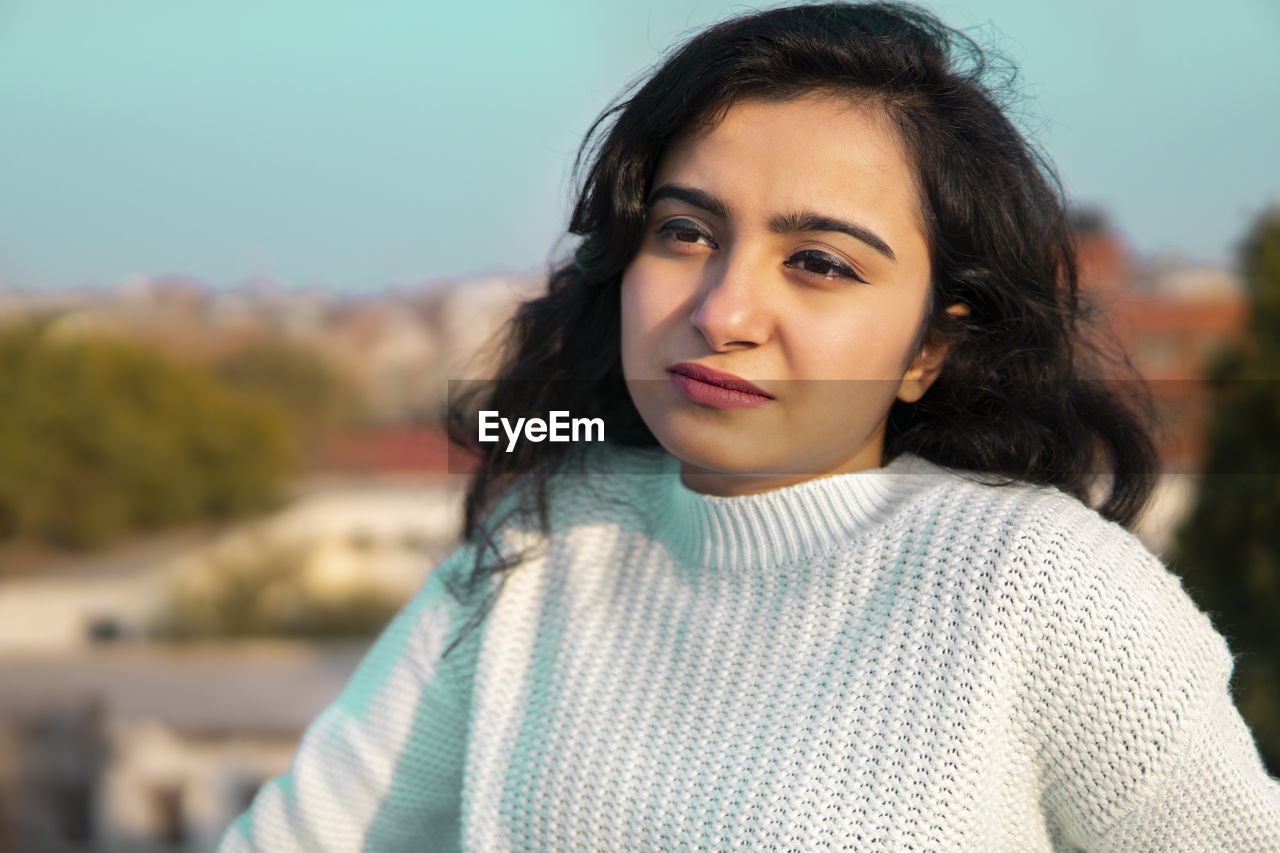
[[1020, 395]]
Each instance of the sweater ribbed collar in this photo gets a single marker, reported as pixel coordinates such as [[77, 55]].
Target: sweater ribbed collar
[[785, 525]]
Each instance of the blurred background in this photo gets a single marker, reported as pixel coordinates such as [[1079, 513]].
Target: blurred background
[[244, 245]]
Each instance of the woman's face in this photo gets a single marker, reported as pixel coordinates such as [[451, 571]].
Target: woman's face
[[784, 248]]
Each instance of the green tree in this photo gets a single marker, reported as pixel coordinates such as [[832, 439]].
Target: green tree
[[1228, 549], [307, 388], [100, 436]]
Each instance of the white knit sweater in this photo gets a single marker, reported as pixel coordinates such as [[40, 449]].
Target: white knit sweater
[[895, 659]]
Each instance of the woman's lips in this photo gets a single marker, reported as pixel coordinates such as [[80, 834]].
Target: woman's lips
[[715, 387]]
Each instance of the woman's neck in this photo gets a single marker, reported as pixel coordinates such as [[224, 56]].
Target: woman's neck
[[727, 484]]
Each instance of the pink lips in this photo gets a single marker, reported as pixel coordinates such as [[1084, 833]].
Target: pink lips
[[716, 388]]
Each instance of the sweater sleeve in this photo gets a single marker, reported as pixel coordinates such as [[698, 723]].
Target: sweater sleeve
[[1141, 746], [1219, 798], [381, 768]]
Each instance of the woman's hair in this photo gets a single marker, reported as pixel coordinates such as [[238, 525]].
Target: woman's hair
[[1018, 396]]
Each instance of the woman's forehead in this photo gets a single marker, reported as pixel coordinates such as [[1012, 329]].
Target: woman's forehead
[[815, 150], [860, 101]]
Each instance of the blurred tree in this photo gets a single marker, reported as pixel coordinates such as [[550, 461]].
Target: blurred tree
[[99, 436], [1228, 550], [260, 586], [309, 390]]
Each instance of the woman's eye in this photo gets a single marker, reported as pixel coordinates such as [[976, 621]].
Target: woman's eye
[[686, 231], [821, 264]]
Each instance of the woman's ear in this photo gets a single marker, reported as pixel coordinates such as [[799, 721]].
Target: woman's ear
[[928, 364]]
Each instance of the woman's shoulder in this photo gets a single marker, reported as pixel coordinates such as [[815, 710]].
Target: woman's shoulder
[[1068, 548], [997, 509], [1120, 662], [1085, 582], [608, 470], [611, 459], [585, 485], [1119, 667], [1035, 516]]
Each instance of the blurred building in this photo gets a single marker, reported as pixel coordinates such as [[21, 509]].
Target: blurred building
[[143, 749], [347, 534], [111, 741], [1170, 318], [400, 348]]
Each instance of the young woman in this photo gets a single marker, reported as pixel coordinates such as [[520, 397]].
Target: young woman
[[832, 582]]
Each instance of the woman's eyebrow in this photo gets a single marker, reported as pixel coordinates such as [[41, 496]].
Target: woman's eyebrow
[[807, 220], [698, 198], [782, 223]]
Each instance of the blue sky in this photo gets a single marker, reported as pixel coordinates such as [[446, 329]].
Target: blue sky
[[363, 145]]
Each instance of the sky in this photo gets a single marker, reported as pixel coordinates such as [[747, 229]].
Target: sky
[[369, 145]]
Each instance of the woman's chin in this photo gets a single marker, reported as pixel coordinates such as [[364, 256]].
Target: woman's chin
[[711, 452], [727, 471]]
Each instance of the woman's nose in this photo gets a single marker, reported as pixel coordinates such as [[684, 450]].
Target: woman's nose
[[731, 310]]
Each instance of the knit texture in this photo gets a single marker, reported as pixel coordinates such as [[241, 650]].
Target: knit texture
[[896, 659]]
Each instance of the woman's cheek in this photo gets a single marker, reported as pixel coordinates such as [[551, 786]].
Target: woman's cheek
[[640, 329], [858, 342], [652, 308]]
